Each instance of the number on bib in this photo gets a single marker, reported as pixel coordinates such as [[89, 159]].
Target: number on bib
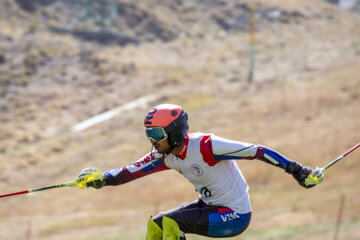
[[205, 192]]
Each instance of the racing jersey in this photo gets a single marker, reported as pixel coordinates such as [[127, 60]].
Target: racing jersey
[[208, 162]]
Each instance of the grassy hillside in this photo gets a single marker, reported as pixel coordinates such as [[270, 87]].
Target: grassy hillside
[[304, 102]]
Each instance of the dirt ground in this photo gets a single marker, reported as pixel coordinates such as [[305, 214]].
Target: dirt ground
[[304, 102]]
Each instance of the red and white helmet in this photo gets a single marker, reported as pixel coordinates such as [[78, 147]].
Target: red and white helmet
[[167, 121]]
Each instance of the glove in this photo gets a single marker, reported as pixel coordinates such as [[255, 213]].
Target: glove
[[91, 177], [300, 173]]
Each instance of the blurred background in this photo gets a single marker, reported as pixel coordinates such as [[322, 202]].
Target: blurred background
[[281, 73]]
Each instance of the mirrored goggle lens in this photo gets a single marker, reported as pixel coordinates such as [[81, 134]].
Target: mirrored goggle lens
[[156, 133]]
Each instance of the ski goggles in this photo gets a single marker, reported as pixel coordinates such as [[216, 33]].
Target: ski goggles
[[156, 134]]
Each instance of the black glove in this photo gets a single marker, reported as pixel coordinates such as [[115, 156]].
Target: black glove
[[96, 184], [299, 172]]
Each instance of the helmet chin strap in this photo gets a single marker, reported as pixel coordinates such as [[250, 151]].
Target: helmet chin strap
[[171, 148]]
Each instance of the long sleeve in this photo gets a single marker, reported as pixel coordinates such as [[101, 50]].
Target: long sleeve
[[151, 163], [227, 149]]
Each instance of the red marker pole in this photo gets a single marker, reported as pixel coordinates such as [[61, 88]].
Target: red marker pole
[[15, 193], [68, 184], [341, 157]]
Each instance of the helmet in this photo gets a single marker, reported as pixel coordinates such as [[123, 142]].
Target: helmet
[[167, 121]]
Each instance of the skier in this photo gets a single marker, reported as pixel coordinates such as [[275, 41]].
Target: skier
[[208, 162]]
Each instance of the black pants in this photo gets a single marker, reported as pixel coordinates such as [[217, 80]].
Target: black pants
[[213, 221]]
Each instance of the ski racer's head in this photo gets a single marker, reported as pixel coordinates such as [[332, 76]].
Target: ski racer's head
[[166, 122]]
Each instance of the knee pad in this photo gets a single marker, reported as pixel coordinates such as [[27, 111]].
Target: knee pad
[[171, 229], [154, 232]]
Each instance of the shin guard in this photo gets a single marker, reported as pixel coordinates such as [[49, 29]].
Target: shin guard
[[154, 232], [171, 229]]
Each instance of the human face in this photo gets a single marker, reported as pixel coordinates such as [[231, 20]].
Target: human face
[[158, 138], [161, 146]]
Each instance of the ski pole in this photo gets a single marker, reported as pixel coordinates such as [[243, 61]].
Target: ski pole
[[68, 184], [80, 182], [317, 175], [340, 157]]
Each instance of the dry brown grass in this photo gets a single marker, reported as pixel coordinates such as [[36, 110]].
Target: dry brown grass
[[304, 103]]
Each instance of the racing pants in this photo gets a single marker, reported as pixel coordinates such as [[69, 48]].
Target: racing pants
[[213, 221]]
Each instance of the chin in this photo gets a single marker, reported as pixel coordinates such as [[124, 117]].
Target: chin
[[163, 151]]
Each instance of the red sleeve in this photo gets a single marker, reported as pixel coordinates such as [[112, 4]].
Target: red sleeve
[[207, 151]]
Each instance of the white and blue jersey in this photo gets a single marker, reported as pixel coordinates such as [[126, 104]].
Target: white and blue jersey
[[209, 163]]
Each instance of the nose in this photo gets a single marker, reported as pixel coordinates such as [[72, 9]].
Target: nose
[[153, 142]]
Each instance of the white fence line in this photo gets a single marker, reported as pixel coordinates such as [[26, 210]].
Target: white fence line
[[112, 113]]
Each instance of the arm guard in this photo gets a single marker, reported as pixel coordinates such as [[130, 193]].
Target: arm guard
[[151, 163], [226, 149], [223, 149]]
